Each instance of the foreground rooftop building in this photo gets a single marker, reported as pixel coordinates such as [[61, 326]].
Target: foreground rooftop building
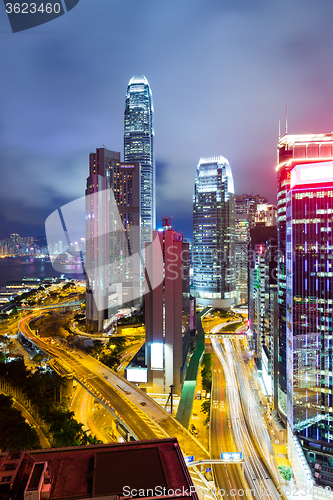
[[145, 469], [214, 233]]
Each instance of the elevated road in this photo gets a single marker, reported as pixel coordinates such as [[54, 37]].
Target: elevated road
[[145, 417]]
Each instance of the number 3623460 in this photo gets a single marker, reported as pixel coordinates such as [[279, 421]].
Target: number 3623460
[[32, 8]]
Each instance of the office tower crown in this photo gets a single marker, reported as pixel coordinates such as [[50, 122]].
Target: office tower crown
[[208, 167]]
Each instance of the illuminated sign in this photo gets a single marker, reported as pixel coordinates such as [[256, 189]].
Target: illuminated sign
[[137, 375], [231, 456], [189, 459], [313, 173], [156, 350]]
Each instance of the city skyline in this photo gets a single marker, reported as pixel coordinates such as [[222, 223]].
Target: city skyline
[[49, 125], [233, 330]]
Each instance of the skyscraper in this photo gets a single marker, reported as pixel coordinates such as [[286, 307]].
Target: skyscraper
[[305, 281], [214, 233], [139, 139], [112, 236], [167, 309], [309, 294], [292, 150], [245, 209], [262, 257]]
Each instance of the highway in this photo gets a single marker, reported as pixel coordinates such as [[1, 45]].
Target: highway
[[102, 389], [251, 404], [95, 419], [147, 421], [256, 474], [124, 399], [44, 442], [127, 355], [227, 477]]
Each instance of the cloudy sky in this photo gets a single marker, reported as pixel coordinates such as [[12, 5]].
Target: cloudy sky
[[221, 73]]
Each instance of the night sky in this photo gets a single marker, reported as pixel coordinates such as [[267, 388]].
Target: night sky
[[221, 73]]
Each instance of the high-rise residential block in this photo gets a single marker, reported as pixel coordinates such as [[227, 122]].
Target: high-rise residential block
[[266, 214], [112, 236], [139, 137], [245, 210], [214, 233], [262, 258]]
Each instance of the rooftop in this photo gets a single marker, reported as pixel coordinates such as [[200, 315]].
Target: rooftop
[[104, 471]]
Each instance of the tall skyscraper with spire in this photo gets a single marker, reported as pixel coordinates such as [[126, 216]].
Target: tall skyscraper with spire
[[139, 137]]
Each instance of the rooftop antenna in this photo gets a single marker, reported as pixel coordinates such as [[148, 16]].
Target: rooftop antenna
[[286, 119], [279, 129]]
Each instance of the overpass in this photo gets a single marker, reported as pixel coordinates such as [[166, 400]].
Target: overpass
[[142, 415]]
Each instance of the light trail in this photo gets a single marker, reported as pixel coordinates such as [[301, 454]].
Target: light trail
[[256, 473], [255, 417]]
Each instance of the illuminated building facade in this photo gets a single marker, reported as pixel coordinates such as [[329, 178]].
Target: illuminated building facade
[[214, 233], [309, 300], [139, 137], [112, 237], [266, 214], [292, 150], [262, 301], [305, 207], [167, 309], [245, 210]]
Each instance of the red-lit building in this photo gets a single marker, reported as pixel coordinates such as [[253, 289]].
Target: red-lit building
[[305, 298], [167, 302]]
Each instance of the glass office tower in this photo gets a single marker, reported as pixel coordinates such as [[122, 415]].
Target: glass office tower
[[292, 150], [214, 233], [139, 139], [309, 307], [309, 295]]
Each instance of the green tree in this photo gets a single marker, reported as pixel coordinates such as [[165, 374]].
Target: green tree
[[285, 472], [15, 433], [206, 372], [205, 407]]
